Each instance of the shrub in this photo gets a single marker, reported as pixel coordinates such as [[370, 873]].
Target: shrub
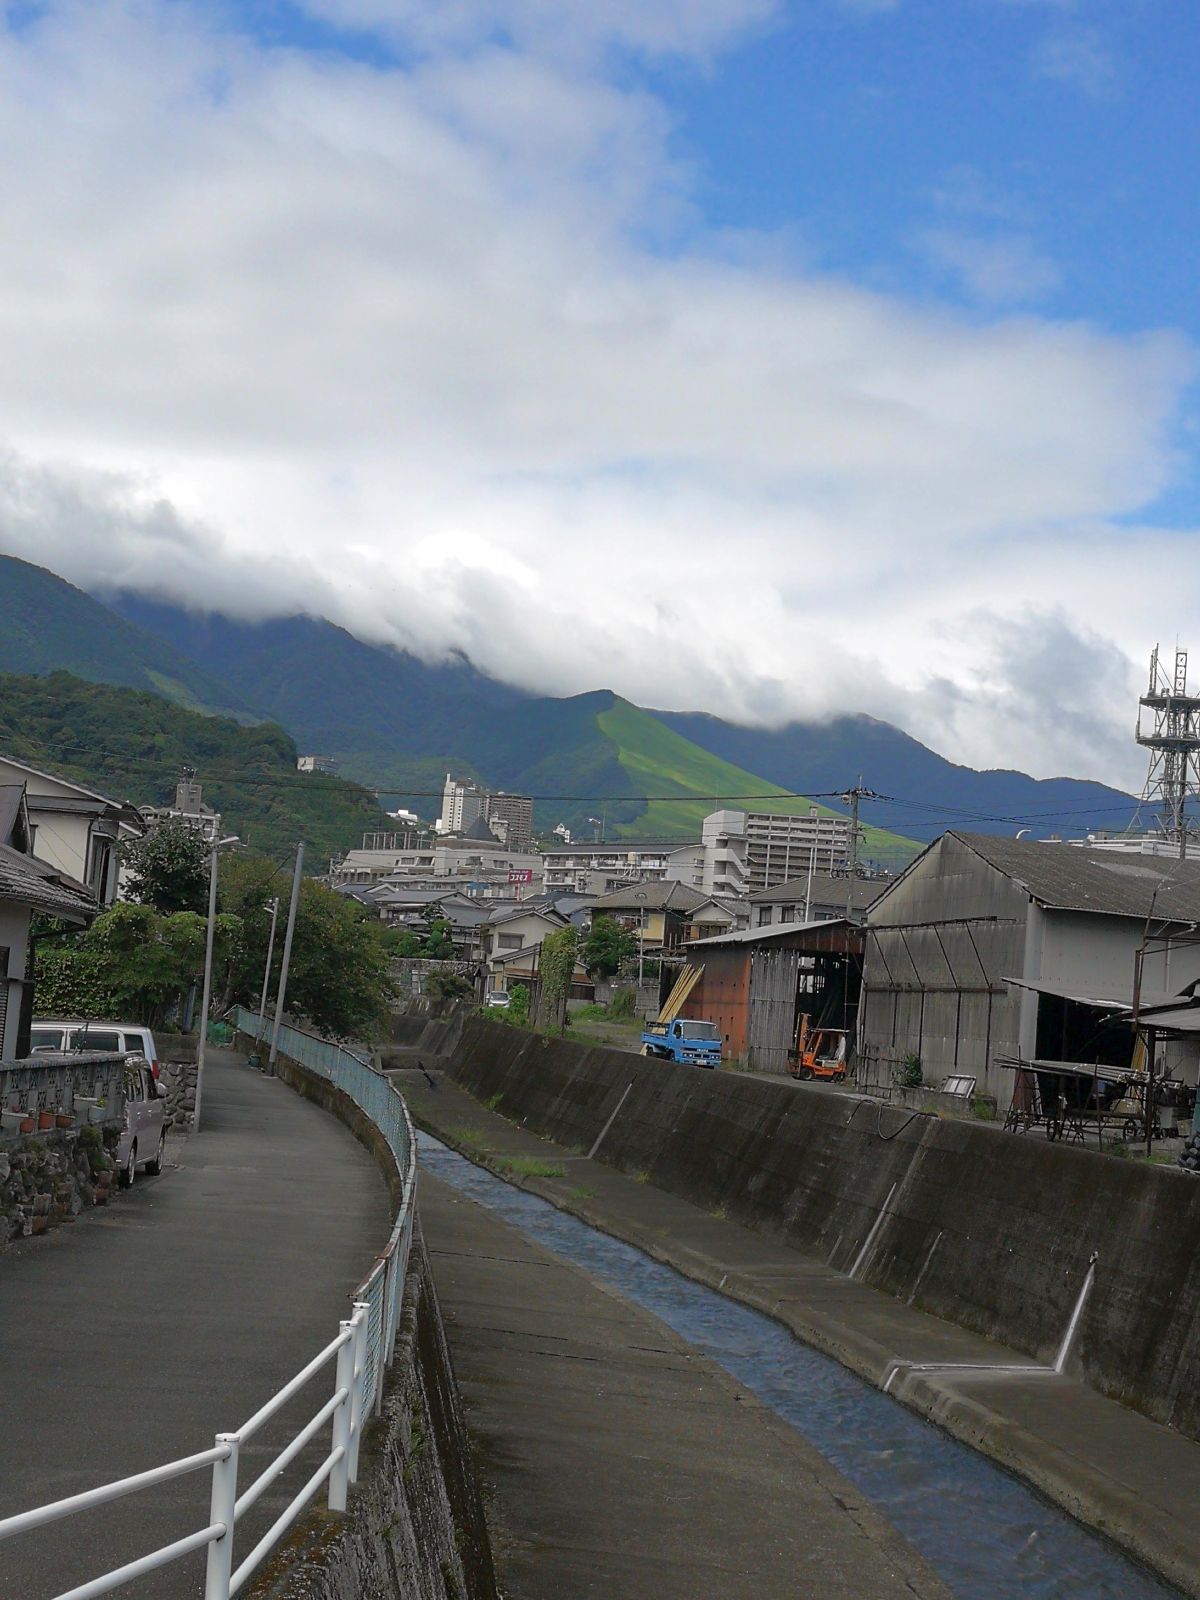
[[907, 1073]]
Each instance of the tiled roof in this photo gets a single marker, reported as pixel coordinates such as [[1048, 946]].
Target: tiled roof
[[29, 882]]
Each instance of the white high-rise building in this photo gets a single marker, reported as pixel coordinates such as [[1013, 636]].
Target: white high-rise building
[[463, 803]]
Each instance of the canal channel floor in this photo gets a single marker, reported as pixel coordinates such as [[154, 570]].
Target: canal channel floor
[[1119, 1472]]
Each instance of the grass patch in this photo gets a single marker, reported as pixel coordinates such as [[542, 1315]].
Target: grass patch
[[492, 1102], [640, 1177], [583, 1194], [533, 1167], [718, 1213], [474, 1139]]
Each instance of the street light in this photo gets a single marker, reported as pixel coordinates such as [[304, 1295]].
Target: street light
[[262, 1004], [217, 844]]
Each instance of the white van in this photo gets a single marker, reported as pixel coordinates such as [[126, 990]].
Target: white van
[[130, 1038]]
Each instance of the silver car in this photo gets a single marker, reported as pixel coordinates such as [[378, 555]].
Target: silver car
[[144, 1136]]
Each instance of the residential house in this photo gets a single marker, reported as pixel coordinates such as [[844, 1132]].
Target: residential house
[[476, 855], [988, 947], [75, 830], [667, 914], [27, 885], [826, 896]]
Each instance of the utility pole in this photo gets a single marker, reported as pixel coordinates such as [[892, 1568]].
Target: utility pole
[[208, 961], [262, 1004], [287, 957], [814, 813], [851, 798]]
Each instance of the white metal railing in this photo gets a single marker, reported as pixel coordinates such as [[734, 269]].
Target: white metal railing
[[364, 1348]]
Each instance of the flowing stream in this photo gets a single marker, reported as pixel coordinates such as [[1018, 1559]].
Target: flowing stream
[[986, 1534]]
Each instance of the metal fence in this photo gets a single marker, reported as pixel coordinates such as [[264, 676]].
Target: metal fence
[[363, 1349]]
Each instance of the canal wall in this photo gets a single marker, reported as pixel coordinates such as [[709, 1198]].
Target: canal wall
[[989, 1230]]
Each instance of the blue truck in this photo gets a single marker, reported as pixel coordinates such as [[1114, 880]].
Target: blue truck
[[698, 1044]]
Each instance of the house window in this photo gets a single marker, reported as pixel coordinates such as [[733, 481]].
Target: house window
[[510, 941], [764, 916]]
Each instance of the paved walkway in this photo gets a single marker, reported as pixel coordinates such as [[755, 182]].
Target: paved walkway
[[619, 1462], [132, 1336]]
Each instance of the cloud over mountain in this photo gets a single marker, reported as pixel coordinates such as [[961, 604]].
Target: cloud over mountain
[[430, 337]]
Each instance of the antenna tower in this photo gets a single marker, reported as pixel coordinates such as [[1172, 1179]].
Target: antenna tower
[[1174, 745]]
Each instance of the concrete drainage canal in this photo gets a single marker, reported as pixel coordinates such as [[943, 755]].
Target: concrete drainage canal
[[987, 1536]]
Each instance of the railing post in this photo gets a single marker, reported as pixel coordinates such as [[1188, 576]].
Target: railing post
[[339, 1478], [386, 1328], [222, 1509], [362, 1314]]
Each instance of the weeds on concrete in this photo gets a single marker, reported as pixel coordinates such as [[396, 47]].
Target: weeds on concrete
[[473, 1138], [492, 1102], [718, 1213], [532, 1167], [583, 1194], [640, 1177]]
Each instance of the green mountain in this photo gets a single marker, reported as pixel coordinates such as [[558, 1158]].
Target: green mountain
[[47, 625], [396, 724], [132, 744]]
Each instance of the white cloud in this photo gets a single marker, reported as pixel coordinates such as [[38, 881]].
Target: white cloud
[[997, 269], [419, 348], [1080, 58]]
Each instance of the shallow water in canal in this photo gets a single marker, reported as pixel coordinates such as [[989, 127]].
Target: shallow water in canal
[[986, 1535]]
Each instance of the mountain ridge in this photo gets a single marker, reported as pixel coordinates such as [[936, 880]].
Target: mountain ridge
[[397, 724]]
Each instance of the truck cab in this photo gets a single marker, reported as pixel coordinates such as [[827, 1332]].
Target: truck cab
[[690, 1042]]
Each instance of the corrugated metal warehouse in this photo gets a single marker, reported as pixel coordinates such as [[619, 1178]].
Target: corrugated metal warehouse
[[975, 910], [755, 984]]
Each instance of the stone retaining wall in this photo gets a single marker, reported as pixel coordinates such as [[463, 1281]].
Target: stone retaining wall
[[991, 1230], [49, 1178]]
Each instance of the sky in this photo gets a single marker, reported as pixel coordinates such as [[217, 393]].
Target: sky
[[773, 358]]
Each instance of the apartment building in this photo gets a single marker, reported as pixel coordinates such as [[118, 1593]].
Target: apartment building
[[510, 817], [779, 847]]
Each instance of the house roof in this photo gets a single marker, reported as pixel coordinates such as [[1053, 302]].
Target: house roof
[[655, 896], [12, 814], [67, 783], [509, 913], [1066, 877], [620, 847], [766, 935], [26, 881], [826, 890]]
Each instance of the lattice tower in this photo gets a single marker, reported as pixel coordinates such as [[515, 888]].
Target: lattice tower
[[1174, 745]]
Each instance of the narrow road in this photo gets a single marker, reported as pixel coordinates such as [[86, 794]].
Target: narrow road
[[133, 1335]]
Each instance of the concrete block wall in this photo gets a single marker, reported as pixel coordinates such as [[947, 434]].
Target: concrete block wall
[[990, 1230]]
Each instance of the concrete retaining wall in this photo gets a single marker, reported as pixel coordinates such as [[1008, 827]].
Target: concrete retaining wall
[[986, 1229], [415, 1523]]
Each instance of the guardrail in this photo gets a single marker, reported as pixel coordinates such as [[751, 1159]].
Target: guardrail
[[364, 1348]]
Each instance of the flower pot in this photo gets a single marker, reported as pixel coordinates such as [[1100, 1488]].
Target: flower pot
[[26, 1125], [45, 1120], [39, 1223], [64, 1119]]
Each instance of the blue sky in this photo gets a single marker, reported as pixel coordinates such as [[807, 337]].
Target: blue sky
[[524, 326]]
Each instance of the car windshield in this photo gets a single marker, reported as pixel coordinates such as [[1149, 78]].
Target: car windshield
[[699, 1030]]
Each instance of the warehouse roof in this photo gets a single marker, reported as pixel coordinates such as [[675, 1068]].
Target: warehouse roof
[[1111, 882]]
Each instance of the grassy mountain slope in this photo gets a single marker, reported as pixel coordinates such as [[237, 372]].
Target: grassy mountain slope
[[47, 625], [831, 755], [660, 761], [131, 744]]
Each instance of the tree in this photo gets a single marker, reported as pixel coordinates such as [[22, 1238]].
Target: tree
[[556, 968], [168, 868], [338, 980], [131, 965], [607, 947]]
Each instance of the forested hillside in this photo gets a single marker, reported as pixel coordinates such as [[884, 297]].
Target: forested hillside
[[132, 745], [47, 625]]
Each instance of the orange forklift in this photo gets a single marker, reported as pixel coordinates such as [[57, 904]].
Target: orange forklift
[[818, 1052]]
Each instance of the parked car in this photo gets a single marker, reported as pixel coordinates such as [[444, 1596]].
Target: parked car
[[144, 1137], [75, 1034], [497, 997]]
